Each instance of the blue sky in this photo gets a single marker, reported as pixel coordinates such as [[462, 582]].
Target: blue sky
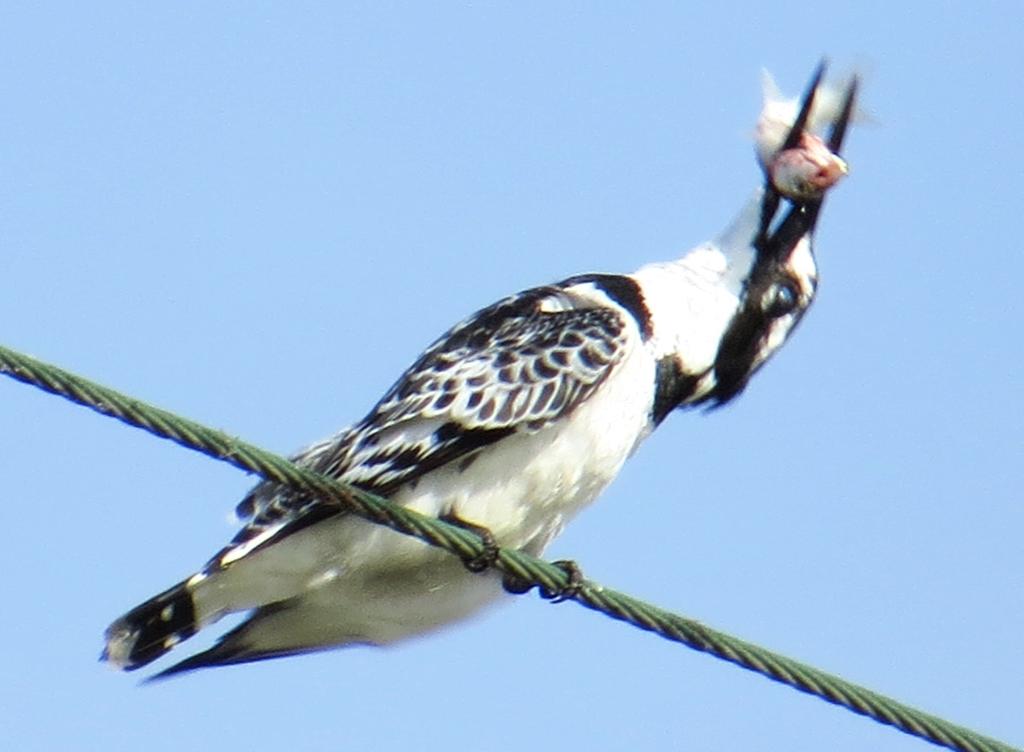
[[258, 214]]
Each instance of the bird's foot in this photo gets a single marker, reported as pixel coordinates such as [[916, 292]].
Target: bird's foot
[[571, 589], [518, 586], [484, 560]]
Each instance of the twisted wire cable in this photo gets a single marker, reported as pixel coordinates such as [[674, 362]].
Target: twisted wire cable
[[467, 545]]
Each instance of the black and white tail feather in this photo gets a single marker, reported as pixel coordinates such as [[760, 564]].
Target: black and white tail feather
[[513, 420]]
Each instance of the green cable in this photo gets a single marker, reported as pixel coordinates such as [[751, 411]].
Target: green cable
[[467, 545]]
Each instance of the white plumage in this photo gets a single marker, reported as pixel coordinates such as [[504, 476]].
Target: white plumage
[[512, 421]]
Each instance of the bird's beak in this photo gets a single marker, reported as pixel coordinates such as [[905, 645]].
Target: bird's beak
[[778, 241]]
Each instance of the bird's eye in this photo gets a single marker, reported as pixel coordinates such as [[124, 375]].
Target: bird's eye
[[780, 299]]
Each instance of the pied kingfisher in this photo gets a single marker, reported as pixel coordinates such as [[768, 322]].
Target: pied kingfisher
[[510, 423]]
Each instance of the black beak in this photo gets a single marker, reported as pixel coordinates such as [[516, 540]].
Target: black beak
[[803, 214]]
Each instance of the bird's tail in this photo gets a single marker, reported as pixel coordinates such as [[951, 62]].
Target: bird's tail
[[151, 629]]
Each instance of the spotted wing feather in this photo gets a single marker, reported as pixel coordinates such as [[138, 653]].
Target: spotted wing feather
[[517, 365]]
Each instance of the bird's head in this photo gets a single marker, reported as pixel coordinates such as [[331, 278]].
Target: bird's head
[[771, 243]]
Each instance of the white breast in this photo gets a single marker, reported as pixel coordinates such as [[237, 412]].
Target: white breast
[[355, 581], [526, 487]]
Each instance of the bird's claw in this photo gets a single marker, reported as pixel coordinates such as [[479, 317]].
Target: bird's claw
[[571, 589], [486, 558], [518, 586]]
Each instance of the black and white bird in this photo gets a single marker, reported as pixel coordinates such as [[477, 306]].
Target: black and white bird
[[511, 422]]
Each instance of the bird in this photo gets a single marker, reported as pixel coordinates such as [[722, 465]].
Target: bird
[[509, 424]]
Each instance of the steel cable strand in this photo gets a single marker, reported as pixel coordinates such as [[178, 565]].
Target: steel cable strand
[[792, 673], [465, 544]]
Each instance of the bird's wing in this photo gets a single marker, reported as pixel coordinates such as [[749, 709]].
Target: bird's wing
[[515, 366]]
